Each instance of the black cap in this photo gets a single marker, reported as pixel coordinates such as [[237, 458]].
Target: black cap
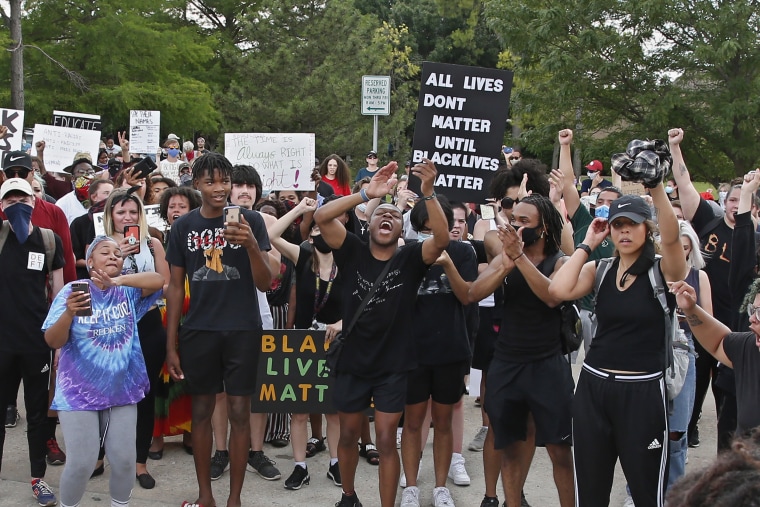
[[17, 159], [630, 206], [371, 153]]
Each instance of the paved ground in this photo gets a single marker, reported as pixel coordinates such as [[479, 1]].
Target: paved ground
[[175, 475]]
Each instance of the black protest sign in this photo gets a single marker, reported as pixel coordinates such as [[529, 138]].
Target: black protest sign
[[77, 120], [291, 374], [461, 118]]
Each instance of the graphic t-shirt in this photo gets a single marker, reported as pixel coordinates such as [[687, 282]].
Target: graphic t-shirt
[[220, 275], [102, 365], [170, 170], [378, 345]]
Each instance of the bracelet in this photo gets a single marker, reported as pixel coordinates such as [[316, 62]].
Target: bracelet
[[432, 196], [584, 247], [364, 196], [513, 260]]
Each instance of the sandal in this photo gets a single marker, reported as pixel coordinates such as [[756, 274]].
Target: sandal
[[370, 452], [314, 445]]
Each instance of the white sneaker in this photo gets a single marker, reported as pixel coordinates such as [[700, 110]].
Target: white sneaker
[[628, 502], [479, 441], [457, 472], [402, 479], [442, 498], [399, 431], [410, 497]]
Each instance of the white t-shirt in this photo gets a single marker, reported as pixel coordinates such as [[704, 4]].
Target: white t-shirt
[[71, 206], [170, 170]]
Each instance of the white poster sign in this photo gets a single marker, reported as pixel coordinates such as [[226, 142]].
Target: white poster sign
[[284, 161], [144, 135], [61, 144], [13, 119], [153, 217]]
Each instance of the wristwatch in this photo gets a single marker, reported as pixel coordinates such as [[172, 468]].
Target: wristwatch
[[584, 247]]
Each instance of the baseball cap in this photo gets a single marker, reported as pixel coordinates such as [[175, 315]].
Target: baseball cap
[[595, 165], [630, 206], [15, 185], [17, 159], [172, 137], [372, 154]]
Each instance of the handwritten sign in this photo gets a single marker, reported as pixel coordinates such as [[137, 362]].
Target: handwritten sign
[[461, 118], [97, 219], [144, 131], [82, 121], [61, 144], [632, 188], [153, 217], [284, 161], [13, 119], [291, 373]]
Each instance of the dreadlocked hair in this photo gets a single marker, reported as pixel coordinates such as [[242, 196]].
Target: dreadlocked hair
[[754, 289], [206, 164], [550, 220]]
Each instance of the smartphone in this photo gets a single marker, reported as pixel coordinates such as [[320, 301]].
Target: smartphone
[[143, 168], [487, 212], [232, 214], [82, 287], [132, 233], [507, 150]]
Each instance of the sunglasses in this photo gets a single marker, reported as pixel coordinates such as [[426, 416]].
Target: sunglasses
[[371, 156], [17, 173], [508, 202], [514, 158], [753, 310]]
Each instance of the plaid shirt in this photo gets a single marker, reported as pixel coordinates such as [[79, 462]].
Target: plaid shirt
[[643, 161]]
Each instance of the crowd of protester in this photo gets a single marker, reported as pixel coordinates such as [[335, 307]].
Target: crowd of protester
[[142, 331]]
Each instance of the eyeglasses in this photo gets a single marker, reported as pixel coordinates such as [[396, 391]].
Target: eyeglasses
[[753, 310], [17, 173]]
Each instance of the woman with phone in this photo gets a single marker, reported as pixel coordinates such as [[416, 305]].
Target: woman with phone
[[101, 370], [124, 221]]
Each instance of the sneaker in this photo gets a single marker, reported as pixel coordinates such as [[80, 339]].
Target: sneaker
[[220, 463], [55, 456], [399, 432], [333, 472], [457, 472], [12, 416], [693, 437], [42, 493], [259, 462], [442, 497], [402, 479], [523, 500], [410, 497], [490, 501], [628, 502], [479, 441], [298, 478], [349, 501]]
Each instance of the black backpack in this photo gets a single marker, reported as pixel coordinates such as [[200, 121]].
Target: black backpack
[[571, 332]]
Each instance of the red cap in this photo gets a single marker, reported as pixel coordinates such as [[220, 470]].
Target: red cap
[[595, 166]]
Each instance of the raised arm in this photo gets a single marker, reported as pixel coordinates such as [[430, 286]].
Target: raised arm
[[57, 335], [277, 229], [575, 278], [687, 193], [439, 226], [708, 330], [673, 262]]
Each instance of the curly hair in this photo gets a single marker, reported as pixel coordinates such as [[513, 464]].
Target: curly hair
[[192, 196], [343, 174], [550, 219]]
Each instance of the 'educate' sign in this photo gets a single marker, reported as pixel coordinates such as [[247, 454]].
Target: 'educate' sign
[[461, 118], [82, 121]]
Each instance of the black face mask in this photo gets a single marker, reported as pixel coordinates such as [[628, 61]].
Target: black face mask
[[320, 245], [530, 236]]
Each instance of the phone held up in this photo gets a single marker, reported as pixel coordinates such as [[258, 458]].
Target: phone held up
[[82, 287], [487, 212], [232, 214], [132, 233]]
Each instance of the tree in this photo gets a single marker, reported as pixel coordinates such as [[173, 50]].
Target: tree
[[624, 70]]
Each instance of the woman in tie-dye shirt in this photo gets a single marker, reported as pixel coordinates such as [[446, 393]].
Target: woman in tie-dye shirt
[[101, 371]]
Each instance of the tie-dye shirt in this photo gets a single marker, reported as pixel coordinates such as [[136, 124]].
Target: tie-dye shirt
[[101, 365]]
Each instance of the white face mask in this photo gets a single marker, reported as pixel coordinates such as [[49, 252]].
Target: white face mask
[[591, 174]]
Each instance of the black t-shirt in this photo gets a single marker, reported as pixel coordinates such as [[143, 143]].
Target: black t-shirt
[[741, 349], [325, 189], [223, 295], [23, 280], [329, 309], [377, 344], [530, 330], [82, 233], [630, 334], [440, 321], [731, 259], [279, 292]]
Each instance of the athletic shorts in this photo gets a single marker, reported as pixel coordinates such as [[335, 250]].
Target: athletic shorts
[[353, 394], [544, 388], [485, 339], [443, 382], [219, 361]]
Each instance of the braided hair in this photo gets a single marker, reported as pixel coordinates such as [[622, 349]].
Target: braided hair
[[550, 219]]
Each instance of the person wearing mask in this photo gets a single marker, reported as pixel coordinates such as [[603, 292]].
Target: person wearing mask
[[169, 167], [594, 179], [75, 203]]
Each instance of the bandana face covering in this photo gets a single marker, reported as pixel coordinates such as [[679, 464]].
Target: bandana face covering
[[82, 189], [20, 215]]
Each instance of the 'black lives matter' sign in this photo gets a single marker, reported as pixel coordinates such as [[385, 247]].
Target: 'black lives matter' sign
[[461, 118]]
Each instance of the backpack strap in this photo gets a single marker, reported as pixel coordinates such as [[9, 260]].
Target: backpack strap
[[658, 286], [4, 231], [48, 239], [602, 266]]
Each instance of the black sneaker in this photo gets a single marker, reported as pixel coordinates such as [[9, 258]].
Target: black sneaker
[[523, 500], [12, 416], [349, 501], [298, 478], [333, 472], [693, 437], [490, 501], [259, 463], [220, 463]]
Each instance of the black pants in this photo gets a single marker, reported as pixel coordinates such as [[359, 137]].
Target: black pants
[[34, 369], [622, 417], [153, 344]]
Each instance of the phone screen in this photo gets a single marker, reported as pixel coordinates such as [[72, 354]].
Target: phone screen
[[82, 287], [487, 212], [132, 233]]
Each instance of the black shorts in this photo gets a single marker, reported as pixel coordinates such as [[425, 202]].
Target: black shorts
[[353, 394], [220, 361], [443, 382], [485, 340], [544, 388]]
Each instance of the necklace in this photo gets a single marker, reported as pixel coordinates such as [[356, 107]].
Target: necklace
[[320, 303]]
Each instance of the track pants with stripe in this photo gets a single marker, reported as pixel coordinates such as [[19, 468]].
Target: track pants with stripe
[[620, 416]]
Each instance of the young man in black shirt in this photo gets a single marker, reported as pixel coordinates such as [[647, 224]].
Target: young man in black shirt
[[377, 355]]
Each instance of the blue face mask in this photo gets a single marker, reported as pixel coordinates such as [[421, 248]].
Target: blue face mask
[[422, 236], [173, 152], [20, 215], [602, 211], [668, 189]]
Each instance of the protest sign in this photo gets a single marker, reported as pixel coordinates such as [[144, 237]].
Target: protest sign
[[13, 119], [632, 188], [144, 131], [82, 121], [284, 161], [461, 118], [153, 217], [61, 144], [291, 374]]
